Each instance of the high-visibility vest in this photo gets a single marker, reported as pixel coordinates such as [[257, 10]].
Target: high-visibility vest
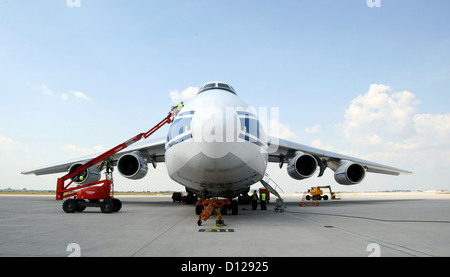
[[255, 196], [263, 197]]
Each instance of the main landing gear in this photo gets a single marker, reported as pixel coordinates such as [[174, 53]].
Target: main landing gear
[[206, 208]]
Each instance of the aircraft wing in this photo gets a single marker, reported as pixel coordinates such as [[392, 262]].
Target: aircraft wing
[[281, 150], [151, 150]]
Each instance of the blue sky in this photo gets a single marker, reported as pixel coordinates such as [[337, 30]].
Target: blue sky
[[369, 82]]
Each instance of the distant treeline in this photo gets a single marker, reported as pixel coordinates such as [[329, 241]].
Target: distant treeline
[[26, 191]]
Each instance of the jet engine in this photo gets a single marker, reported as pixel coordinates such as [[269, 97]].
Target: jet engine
[[349, 173], [90, 175], [302, 166], [132, 166]]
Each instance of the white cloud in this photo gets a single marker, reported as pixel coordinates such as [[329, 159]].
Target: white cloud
[[314, 129], [318, 144], [64, 96], [279, 130], [8, 144], [70, 148], [45, 89], [380, 116], [387, 121], [186, 94], [80, 95], [432, 130]]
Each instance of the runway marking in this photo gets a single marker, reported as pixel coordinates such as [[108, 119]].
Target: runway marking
[[366, 238], [216, 230]]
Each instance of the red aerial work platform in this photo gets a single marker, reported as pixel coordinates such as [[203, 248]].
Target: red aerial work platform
[[99, 193]]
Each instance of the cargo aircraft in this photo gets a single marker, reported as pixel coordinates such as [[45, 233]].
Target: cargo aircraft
[[217, 147]]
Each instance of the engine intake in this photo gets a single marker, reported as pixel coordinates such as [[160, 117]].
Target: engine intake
[[90, 175], [349, 173], [132, 166], [302, 166]]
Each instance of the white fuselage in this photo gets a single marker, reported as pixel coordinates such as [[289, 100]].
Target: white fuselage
[[216, 145]]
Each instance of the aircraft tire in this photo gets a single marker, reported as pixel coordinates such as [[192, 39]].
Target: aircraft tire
[[224, 210], [234, 207], [199, 209]]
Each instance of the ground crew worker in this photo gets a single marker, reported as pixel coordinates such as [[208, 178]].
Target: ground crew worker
[[178, 109], [263, 201], [254, 200], [180, 106]]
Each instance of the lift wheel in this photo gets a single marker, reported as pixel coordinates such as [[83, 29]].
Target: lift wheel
[[78, 205]]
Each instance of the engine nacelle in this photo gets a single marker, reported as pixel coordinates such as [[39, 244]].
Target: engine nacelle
[[349, 173], [132, 166], [90, 175], [302, 166]]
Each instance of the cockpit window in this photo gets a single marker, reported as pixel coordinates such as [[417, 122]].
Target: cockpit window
[[225, 86], [216, 85], [207, 86], [178, 127]]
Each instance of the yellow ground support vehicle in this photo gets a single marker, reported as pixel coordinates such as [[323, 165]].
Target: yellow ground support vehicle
[[315, 193]]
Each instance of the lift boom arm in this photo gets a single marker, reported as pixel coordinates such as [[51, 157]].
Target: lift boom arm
[[61, 189]]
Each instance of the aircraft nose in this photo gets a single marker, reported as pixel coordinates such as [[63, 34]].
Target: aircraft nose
[[214, 126]]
